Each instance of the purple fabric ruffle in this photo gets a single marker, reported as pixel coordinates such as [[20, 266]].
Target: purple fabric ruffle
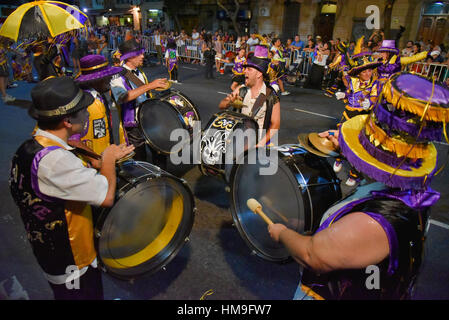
[[416, 199], [386, 157], [399, 123], [377, 174]]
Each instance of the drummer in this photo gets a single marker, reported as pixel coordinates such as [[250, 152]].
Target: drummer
[[54, 190], [129, 91], [95, 78], [370, 245], [267, 110]]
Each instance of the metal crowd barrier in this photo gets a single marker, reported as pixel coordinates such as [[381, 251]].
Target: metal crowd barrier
[[302, 60], [435, 71], [189, 49]]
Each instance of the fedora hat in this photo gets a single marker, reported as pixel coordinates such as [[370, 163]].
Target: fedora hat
[[57, 97], [96, 67]]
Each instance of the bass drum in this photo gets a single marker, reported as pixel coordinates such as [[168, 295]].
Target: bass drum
[[293, 186], [219, 142], [158, 118], [149, 222]]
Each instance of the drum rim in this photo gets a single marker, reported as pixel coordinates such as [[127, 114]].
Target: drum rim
[[188, 100], [176, 246], [307, 228], [239, 227], [147, 139]]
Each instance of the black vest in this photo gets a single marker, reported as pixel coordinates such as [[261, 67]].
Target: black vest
[[44, 218], [409, 226]]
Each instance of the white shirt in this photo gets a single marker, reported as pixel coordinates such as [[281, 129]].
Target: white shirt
[[252, 43], [62, 175], [157, 39], [118, 88], [248, 103], [166, 54]]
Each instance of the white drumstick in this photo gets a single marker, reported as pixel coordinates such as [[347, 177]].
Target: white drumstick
[[256, 207]]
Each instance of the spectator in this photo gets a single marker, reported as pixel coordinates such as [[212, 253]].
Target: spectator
[[408, 50], [252, 42], [218, 47], [315, 78], [298, 44], [209, 56], [158, 44]]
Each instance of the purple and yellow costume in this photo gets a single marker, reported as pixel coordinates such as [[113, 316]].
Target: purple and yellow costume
[[395, 62]]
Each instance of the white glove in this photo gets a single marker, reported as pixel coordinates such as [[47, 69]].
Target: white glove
[[340, 95], [366, 104]]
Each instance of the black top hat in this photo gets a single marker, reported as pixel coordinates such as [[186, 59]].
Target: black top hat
[[57, 97], [130, 48]]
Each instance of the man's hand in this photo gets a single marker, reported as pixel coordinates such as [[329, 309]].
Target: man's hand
[[366, 104], [158, 83], [275, 230], [115, 152], [331, 135], [340, 95]]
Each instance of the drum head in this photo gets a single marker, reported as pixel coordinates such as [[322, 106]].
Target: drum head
[[147, 226], [283, 196], [157, 120]]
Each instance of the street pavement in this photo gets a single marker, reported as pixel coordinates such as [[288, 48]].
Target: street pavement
[[216, 263]]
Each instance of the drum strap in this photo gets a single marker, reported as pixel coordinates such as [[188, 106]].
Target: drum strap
[[134, 79], [259, 102]]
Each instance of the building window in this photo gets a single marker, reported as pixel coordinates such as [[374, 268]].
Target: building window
[[437, 7]]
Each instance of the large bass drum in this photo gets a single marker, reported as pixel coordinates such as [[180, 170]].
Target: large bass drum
[[149, 223], [158, 118], [219, 142], [293, 186]]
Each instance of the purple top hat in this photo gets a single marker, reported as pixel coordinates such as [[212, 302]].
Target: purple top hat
[[388, 46], [95, 67]]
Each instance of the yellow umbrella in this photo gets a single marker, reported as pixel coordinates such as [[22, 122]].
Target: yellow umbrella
[[40, 19]]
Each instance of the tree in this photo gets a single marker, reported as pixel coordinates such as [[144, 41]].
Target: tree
[[173, 7], [232, 14], [387, 18]]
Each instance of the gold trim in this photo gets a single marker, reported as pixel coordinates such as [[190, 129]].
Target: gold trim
[[350, 131], [95, 67], [413, 105], [378, 136], [62, 109]]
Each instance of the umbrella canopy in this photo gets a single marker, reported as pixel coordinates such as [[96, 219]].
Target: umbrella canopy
[[40, 19]]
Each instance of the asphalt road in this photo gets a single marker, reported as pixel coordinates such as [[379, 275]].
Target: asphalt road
[[216, 263]]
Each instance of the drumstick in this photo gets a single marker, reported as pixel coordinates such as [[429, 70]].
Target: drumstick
[[256, 207], [269, 204]]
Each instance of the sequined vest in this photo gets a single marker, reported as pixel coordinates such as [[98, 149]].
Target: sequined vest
[[60, 232]]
